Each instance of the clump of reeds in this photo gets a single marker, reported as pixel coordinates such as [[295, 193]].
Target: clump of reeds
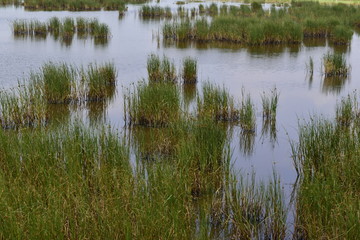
[[23, 107], [257, 210], [54, 25], [122, 9], [341, 35], [189, 73], [20, 27], [57, 81], [153, 105], [217, 104], [335, 65], [68, 28], [269, 104], [346, 111], [155, 12], [161, 70], [99, 79], [247, 114], [326, 158]]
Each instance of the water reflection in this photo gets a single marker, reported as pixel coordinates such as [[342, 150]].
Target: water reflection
[[314, 42], [247, 142], [189, 93], [333, 84], [58, 113], [269, 130]]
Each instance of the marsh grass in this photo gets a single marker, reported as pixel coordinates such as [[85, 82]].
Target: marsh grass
[[269, 104], [189, 72], [335, 65], [253, 26], [153, 105], [54, 25], [64, 28], [22, 107], [57, 82], [341, 35], [347, 111], [100, 81], [147, 11], [217, 104], [247, 114], [326, 158], [161, 70]]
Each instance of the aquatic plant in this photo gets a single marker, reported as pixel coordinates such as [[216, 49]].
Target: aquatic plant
[[57, 81], [325, 156], [68, 28], [341, 35], [335, 65], [247, 113], [217, 104], [154, 105], [155, 12], [269, 104], [160, 70], [347, 110], [54, 25], [189, 72]]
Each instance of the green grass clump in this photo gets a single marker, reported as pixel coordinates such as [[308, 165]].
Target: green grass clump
[[155, 12], [153, 105], [82, 25], [247, 114], [100, 81], [216, 103], [326, 158], [23, 107], [347, 111], [341, 35], [189, 70], [68, 28], [20, 27], [122, 9], [38, 28], [161, 70], [269, 104], [54, 25], [335, 65], [57, 81]]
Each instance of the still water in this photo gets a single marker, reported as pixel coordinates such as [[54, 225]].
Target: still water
[[256, 69]]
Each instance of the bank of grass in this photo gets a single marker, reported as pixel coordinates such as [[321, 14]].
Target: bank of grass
[[87, 5], [326, 155], [251, 25]]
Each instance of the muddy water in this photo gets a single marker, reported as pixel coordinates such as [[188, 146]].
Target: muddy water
[[255, 69]]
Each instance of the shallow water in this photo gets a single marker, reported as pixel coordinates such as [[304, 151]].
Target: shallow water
[[256, 69]]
